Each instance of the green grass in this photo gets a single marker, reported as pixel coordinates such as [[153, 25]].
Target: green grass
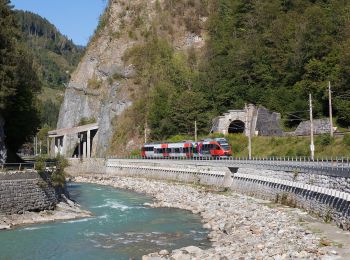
[[281, 146]]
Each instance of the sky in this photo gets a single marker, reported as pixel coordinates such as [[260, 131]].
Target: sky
[[76, 19]]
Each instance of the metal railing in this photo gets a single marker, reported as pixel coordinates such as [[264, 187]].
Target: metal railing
[[338, 167], [22, 166]]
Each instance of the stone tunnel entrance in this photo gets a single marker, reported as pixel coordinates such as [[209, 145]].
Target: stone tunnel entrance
[[236, 127]]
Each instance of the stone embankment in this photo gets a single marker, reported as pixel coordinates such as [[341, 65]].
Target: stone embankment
[[241, 227], [64, 210], [27, 198]]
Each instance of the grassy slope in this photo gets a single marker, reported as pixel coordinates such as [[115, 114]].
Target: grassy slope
[[55, 95], [282, 146]]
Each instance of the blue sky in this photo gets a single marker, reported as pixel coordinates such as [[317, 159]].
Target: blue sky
[[75, 18]]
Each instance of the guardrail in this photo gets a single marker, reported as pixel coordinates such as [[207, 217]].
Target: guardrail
[[22, 166], [338, 167]]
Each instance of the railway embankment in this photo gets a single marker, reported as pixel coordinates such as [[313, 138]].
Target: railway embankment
[[27, 197]]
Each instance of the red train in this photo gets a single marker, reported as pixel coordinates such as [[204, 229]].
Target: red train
[[217, 147]]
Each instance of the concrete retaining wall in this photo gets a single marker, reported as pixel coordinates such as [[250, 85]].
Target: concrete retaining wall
[[328, 203], [25, 191], [218, 176]]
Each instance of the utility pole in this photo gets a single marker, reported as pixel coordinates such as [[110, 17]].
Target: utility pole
[[146, 127], [312, 146], [330, 107], [249, 128], [195, 131]]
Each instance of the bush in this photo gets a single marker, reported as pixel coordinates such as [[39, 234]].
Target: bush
[[346, 139], [324, 139], [58, 178], [86, 121], [40, 164], [94, 83]]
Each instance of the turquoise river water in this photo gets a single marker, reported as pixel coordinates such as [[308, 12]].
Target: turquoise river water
[[121, 228]]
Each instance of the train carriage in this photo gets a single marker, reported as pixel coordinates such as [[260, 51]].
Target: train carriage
[[167, 150], [217, 147]]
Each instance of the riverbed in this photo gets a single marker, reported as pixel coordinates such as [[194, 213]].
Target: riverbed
[[241, 227], [121, 227]]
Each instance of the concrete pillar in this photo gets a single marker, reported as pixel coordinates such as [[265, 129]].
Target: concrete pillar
[[84, 149], [88, 140], [48, 146], [59, 145], [55, 141]]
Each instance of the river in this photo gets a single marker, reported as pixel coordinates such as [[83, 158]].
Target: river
[[121, 228]]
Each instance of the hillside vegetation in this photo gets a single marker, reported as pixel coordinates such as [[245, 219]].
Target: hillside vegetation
[[267, 52], [292, 146], [19, 83], [55, 57]]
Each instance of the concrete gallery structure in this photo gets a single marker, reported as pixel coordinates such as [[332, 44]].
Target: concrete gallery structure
[[73, 142]]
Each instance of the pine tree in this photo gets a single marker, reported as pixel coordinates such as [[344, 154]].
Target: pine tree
[[7, 54]]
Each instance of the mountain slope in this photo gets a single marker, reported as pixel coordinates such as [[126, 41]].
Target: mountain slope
[[157, 66], [113, 86], [55, 57]]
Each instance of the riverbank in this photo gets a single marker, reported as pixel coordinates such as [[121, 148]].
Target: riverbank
[[64, 210], [241, 227]]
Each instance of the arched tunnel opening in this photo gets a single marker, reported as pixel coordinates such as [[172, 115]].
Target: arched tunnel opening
[[236, 127]]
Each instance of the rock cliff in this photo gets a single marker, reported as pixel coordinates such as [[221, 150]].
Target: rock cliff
[[103, 86]]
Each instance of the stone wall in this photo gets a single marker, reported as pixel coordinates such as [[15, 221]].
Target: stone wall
[[321, 126], [86, 166], [25, 191], [268, 123]]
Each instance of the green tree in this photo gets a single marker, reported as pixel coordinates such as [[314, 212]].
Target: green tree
[[19, 83]]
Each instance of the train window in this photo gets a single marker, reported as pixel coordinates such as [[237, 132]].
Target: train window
[[167, 150], [216, 147], [176, 150], [186, 150]]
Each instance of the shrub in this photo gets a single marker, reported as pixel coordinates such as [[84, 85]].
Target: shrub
[[86, 121], [324, 139], [94, 83], [346, 139], [40, 164], [58, 178]]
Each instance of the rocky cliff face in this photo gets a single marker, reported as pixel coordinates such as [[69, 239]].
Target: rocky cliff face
[[102, 86]]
